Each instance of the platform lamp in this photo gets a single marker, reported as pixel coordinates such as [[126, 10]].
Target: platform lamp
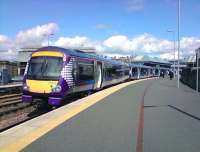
[[179, 12], [197, 66], [48, 37], [174, 47]]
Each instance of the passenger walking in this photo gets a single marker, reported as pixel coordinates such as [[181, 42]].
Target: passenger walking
[[171, 75], [167, 73], [162, 74]]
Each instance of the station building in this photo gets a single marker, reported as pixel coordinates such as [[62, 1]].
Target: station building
[[10, 66], [22, 58], [8, 70]]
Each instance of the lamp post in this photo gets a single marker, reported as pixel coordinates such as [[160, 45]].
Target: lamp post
[[197, 76], [179, 5], [173, 35], [48, 37]]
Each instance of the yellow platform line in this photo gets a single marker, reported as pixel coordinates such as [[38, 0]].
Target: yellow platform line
[[24, 141]]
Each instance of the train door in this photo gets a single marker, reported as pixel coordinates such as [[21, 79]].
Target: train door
[[135, 72], [130, 73], [85, 75], [139, 72], [156, 72], [98, 75]]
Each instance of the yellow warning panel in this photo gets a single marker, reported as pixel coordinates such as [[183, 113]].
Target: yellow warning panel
[[47, 53]]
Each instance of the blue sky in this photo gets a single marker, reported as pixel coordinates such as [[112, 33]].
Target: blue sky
[[99, 20], [78, 17]]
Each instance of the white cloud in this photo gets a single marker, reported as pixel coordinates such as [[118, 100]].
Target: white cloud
[[135, 5], [116, 45], [144, 43], [8, 55], [189, 44], [5, 43], [102, 26], [7, 50], [35, 36], [80, 42], [119, 43], [139, 57], [169, 56], [151, 45], [75, 42]]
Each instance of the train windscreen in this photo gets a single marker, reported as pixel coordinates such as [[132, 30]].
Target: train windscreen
[[44, 68]]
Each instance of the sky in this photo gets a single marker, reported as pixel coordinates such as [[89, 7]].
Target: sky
[[112, 27]]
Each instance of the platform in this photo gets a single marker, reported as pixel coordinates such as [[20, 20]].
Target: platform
[[147, 115]]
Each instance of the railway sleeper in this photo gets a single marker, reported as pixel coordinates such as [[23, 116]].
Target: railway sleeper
[[15, 109]]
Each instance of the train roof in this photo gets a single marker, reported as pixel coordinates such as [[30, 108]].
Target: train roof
[[139, 65], [144, 66], [79, 53]]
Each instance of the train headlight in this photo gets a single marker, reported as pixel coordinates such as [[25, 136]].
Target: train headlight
[[25, 87], [57, 88]]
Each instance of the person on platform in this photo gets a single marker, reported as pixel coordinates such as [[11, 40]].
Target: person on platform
[[162, 74], [171, 75]]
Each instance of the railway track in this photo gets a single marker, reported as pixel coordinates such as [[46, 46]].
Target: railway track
[[12, 107], [10, 97], [11, 103], [13, 111]]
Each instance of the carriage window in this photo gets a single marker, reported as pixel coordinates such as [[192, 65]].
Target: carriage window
[[134, 71], [86, 71], [126, 71]]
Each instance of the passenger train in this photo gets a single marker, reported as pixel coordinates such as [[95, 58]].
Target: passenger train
[[53, 73]]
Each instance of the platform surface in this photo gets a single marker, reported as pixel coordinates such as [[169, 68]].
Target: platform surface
[[151, 115]]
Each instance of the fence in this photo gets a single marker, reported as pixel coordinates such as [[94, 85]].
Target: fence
[[188, 77]]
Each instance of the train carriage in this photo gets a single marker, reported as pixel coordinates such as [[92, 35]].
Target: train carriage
[[52, 73], [138, 71]]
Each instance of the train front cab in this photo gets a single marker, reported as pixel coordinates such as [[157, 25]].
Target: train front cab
[[42, 78]]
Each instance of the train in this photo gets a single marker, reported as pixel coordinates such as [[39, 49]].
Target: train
[[53, 73]]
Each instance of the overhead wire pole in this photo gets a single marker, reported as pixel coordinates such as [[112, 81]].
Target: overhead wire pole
[[49, 37], [197, 77], [179, 5], [174, 53], [174, 47]]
